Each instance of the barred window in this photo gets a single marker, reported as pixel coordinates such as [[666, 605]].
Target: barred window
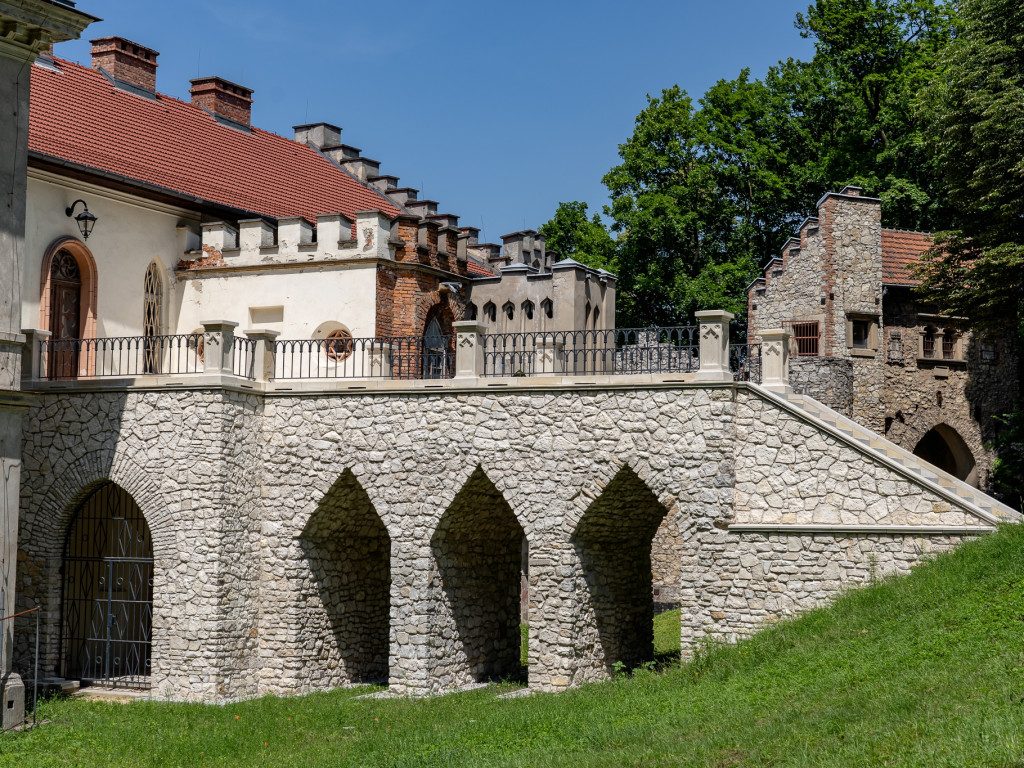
[[806, 337], [948, 344], [928, 342]]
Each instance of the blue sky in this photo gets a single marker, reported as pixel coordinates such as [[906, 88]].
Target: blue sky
[[499, 111]]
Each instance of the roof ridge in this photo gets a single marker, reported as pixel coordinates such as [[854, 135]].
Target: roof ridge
[[908, 231]]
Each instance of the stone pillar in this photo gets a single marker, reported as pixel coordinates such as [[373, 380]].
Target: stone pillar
[[33, 359], [380, 361], [29, 28], [714, 345], [265, 364], [219, 346], [469, 349], [548, 356], [775, 359]]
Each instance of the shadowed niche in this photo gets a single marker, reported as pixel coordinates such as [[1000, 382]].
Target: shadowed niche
[[347, 607], [943, 447], [613, 542], [478, 548]]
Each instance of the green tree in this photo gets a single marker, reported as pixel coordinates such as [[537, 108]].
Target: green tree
[[872, 59], [976, 127], [574, 236], [975, 115], [680, 246]]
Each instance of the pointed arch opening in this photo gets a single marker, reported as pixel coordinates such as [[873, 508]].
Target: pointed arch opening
[[613, 542], [479, 549], [943, 447], [107, 591], [346, 597]]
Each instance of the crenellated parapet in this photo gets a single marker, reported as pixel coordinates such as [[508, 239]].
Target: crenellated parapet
[[293, 240]]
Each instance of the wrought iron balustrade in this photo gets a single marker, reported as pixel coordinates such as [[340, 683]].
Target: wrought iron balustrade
[[672, 349], [745, 362], [394, 357], [244, 363], [121, 356]]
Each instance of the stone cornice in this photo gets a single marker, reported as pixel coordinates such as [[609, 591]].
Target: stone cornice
[[29, 27]]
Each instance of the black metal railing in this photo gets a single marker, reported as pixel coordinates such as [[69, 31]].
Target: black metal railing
[[121, 356], [244, 363], [745, 362], [579, 353], [395, 357]]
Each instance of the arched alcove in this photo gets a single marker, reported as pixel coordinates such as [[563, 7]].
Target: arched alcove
[[613, 542], [943, 447], [345, 599], [478, 553]]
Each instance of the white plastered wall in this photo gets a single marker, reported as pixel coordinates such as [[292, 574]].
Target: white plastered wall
[[130, 233], [308, 297]]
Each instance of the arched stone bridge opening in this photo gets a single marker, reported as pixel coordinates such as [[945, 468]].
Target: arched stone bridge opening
[[307, 540]]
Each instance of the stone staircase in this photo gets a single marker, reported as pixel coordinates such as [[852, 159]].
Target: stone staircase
[[903, 461]]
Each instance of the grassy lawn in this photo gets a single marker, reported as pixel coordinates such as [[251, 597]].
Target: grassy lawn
[[926, 670]]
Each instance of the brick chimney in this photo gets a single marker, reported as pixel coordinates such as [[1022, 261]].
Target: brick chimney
[[125, 61], [223, 98]]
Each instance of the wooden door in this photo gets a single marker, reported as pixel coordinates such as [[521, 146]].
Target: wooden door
[[65, 317]]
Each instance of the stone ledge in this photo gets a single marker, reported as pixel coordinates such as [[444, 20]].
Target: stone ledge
[[876, 530]]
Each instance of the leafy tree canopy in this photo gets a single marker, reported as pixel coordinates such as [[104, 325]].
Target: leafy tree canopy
[[975, 115], [573, 235], [705, 192]]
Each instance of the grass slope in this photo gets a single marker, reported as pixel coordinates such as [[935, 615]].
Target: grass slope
[[926, 670]]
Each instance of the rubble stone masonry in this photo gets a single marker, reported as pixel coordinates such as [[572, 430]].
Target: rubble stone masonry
[[307, 541]]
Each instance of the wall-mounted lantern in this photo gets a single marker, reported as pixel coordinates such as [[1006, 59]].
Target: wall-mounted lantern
[[86, 221]]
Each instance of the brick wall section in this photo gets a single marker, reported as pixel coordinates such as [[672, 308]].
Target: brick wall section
[[406, 294]]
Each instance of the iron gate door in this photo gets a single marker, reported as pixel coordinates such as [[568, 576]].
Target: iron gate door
[[107, 591]]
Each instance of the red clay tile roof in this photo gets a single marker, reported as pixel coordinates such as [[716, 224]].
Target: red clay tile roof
[[79, 116], [478, 270], [900, 249]]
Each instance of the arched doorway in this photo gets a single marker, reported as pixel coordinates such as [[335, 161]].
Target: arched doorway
[[65, 315], [107, 592], [944, 448], [438, 346]]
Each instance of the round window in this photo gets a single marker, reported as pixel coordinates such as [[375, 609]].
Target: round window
[[338, 344]]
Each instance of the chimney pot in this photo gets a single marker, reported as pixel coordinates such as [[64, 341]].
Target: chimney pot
[[223, 98], [125, 61]]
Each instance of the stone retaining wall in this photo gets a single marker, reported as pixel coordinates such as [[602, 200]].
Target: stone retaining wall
[[303, 542]]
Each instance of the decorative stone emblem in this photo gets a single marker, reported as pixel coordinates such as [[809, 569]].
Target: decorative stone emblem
[[466, 341], [710, 332], [367, 239]]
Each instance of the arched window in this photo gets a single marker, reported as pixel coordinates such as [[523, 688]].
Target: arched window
[[152, 312], [490, 312], [597, 315], [528, 309], [471, 311]]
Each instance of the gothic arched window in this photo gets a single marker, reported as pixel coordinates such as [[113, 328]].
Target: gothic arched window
[[152, 311]]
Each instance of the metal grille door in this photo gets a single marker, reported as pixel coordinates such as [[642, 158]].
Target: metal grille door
[[107, 589]]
